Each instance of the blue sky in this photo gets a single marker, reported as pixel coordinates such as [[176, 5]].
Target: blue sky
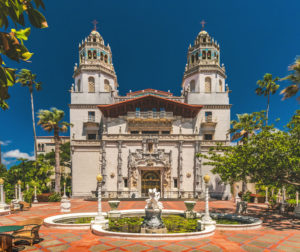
[[149, 42]]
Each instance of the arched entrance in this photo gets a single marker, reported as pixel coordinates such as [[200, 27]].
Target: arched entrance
[[150, 180]]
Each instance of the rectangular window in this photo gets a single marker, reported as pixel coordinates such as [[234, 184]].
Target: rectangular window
[[165, 132], [175, 183], [150, 132], [125, 182], [91, 136], [91, 116], [134, 132], [208, 137], [208, 116]]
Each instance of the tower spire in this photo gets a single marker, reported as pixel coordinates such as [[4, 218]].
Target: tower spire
[[203, 24], [95, 22]]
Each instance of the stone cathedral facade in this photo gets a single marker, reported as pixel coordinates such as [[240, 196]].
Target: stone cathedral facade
[[148, 138]]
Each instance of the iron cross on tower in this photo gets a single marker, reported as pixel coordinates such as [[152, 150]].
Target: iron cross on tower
[[202, 23], [95, 25]]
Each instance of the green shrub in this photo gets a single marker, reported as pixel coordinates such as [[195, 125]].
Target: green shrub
[[55, 197], [28, 196]]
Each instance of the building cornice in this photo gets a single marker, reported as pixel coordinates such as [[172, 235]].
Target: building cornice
[[83, 106], [217, 106]]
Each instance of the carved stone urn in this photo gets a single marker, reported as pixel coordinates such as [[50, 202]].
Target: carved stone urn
[[189, 213]]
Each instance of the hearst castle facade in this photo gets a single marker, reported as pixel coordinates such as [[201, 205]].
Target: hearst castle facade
[[148, 138]]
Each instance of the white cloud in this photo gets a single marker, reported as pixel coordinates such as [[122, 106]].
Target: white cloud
[[15, 154], [4, 143]]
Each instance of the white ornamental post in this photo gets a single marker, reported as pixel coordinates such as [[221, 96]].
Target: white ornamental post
[[65, 196], [297, 198], [267, 200], [20, 190], [1, 192], [99, 219], [16, 192], [3, 206], [35, 197], [206, 220]]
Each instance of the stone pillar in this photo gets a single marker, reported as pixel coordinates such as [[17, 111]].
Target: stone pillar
[[267, 200], [1, 192], [16, 192], [20, 190], [99, 219], [179, 172], [35, 196], [297, 198], [103, 167], [197, 171], [278, 196], [27, 187], [119, 177], [206, 220], [283, 194]]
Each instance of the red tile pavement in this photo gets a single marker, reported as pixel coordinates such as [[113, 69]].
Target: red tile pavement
[[279, 233]]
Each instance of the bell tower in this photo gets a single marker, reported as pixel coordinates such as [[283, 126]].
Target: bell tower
[[204, 77], [95, 80]]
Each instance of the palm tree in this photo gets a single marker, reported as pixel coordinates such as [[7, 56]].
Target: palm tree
[[246, 125], [27, 79], [294, 77], [51, 120], [267, 86]]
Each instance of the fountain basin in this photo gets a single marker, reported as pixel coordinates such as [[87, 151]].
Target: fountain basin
[[58, 221]]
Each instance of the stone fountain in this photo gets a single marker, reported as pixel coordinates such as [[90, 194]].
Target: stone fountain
[[153, 223]]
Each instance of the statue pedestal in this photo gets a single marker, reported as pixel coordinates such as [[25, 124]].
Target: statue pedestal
[[190, 215], [153, 223], [100, 220], [65, 205], [114, 214]]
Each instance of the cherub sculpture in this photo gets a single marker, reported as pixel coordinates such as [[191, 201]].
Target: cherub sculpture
[[152, 202]]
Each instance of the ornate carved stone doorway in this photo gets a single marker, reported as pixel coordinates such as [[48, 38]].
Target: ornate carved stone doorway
[[150, 179]]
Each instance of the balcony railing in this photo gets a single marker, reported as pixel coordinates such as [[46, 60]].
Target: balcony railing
[[209, 120], [150, 114]]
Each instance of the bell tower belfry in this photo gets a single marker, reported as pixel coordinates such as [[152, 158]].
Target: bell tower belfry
[[95, 80], [204, 77]]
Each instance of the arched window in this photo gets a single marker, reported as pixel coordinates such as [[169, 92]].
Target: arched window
[[89, 54], [107, 87], [220, 86], [105, 58], [192, 59], [101, 56], [207, 85], [192, 86], [94, 39], [39, 147], [94, 54], [209, 55], [78, 86], [81, 57], [203, 54], [197, 57], [91, 81]]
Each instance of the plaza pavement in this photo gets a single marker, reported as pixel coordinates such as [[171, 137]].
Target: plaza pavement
[[279, 233]]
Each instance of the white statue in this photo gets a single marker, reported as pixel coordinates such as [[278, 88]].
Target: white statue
[[152, 202]]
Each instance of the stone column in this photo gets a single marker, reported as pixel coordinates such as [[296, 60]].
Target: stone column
[[3, 205], [278, 196], [267, 200], [35, 197], [99, 219], [1, 192], [283, 194], [119, 177], [297, 198], [197, 171], [206, 220], [27, 187], [103, 167], [20, 190], [179, 172], [16, 192]]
